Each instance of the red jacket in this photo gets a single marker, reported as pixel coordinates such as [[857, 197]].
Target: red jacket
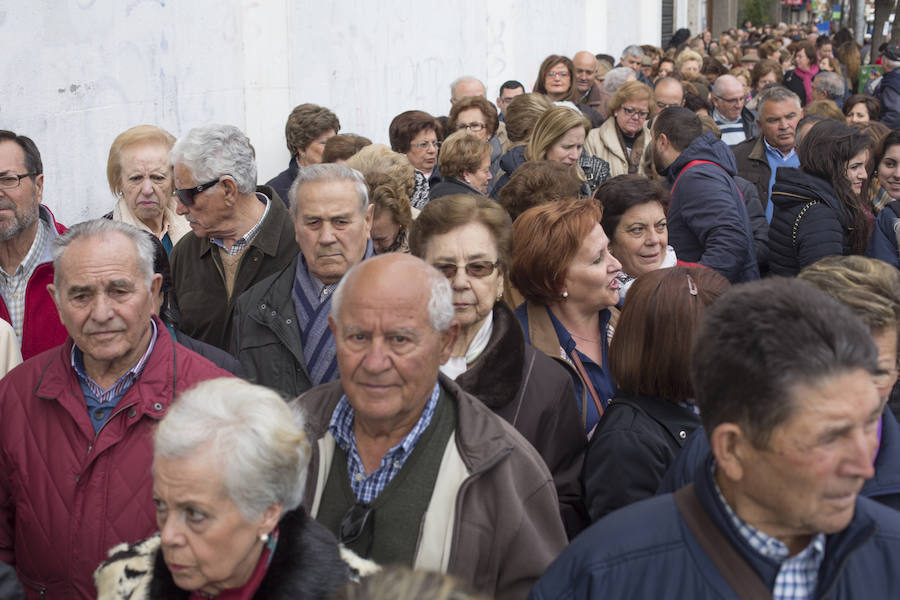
[[67, 495], [41, 328]]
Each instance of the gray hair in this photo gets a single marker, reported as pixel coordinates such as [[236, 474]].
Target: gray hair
[[328, 172], [776, 93], [719, 84], [830, 83], [633, 50], [144, 250], [259, 439], [616, 78], [212, 151], [440, 299], [464, 79]]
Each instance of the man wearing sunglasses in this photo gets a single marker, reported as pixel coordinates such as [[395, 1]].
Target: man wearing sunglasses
[[240, 233], [408, 468]]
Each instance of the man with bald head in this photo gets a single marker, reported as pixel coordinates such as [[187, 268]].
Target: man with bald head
[[667, 91], [736, 122], [466, 86], [408, 468]]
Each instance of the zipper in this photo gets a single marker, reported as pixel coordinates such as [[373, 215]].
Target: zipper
[[99, 431], [42, 591]]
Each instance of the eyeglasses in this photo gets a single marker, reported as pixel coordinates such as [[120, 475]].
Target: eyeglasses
[[186, 195], [663, 105], [477, 269], [424, 145], [737, 100], [7, 182], [562, 74], [632, 113], [353, 525], [470, 126]]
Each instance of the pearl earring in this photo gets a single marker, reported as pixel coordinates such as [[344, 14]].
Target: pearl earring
[[565, 294], [264, 538]]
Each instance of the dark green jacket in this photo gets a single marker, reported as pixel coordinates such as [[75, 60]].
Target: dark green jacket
[[206, 310]]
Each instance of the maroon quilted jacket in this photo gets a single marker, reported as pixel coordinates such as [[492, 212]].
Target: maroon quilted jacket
[[67, 495]]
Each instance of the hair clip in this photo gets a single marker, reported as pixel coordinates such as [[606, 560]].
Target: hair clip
[[692, 287]]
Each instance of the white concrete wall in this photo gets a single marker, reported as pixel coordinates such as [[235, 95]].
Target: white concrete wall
[[78, 72]]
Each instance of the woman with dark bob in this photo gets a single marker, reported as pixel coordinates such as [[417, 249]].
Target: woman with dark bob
[[469, 239], [563, 267], [229, 470], [417, 135], [465, 164], [634, 220], [817, 209], [307, 129], [861, 108], [651, 415]]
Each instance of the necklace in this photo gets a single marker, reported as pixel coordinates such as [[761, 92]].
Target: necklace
[[584, 338]]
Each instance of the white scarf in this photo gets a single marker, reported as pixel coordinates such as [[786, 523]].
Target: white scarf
[[457, 365], [625, 280]]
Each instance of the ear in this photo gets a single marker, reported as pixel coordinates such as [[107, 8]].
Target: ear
[[369, 217], [448, 338], [39, 187], [333, 327], [269, 519], [229, 186], [51, 289], [155, 285], [730, 446]]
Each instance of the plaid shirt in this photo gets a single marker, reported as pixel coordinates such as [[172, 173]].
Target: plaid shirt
[[244, 241], [798, 575], [13, 286], [366, 488]]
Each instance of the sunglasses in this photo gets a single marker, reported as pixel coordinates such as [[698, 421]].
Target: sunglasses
[[186, 195], [476, 269], [353, 525]]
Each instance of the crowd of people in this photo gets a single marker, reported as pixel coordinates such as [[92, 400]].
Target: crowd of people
[[630, 334]]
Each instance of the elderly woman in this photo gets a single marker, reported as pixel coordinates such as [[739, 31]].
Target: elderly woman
[[563, 267], [140, 176], [465, 164], [229, 469], [687, 64], [650, 417], [417, 135], [766, 72], [475, 115], [621, 140], [556, 79], [391, 180], [308, 128], [634, 220], [468, 238], [862, 108], [817, 208]]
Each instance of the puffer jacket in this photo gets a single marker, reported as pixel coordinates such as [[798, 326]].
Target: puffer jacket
[[67, 495], [808, 222], [509, 162]]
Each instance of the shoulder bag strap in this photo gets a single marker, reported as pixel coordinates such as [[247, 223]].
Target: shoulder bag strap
[[797, 222], [730, 564], [587, 382]]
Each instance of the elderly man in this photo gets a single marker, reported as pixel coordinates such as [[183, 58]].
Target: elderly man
[[281, 323], [759, 158], [707, 218], [631, 58], [407, 467], [240, 233], [591, 91], [827, 85], [77, 421], [667, 92], [774, 509], [466, 86], [736, 122], [27, 230]]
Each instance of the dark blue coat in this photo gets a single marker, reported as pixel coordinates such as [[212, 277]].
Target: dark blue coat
[[646, 550], [883, 243], [884, 487], [708, 221], [282, 182], [889, 94]]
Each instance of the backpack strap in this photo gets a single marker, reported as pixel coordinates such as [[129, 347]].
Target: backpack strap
[[728, 562], [694, 163]]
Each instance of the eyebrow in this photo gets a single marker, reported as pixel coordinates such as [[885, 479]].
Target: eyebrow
[[476, 256], [347, 215]]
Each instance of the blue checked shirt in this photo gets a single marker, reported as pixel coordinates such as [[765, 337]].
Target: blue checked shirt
[[366, 488], [13, 285], [244, 241], [798, 575]]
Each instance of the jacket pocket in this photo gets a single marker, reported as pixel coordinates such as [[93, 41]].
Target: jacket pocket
[[33, 589]]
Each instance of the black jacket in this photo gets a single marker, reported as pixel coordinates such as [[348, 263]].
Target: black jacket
[[451, 185], [758, 223], [753, 166], [748, 122], [808, 222], [266, 335], [888, 93], [533, 394], [635, 442], [10, 589], [282, 182], [708, 221], [793, 82]]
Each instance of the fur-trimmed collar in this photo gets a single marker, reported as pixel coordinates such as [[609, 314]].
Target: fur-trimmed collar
[[496, 376], [307, 563]]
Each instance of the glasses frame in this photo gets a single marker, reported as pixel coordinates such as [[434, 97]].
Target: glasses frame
[[476, 127], [426, 145], [560, 74], [19, 179], [354, 523], [633, 112], [186, 195], [444, 267]]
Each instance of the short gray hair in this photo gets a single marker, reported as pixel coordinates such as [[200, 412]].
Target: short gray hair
[[259, 439], [440, 299], [212, 151], [776, 93], [328, 172], [464, 79], [633, 50], [830, 83], [144, 250], [616, 78]]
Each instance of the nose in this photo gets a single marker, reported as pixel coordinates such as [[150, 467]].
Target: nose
[[860, 454], [180, 208], [170, 531], [147, 187], [376, 359], [614, 264], [652, 238], [101, 309], [326, 234], [460, 281]]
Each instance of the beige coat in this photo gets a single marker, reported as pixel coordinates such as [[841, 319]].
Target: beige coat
[[604, 143], [177, 225]]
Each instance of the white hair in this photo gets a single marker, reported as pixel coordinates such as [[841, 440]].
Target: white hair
[[212, 151], [633, 50], [440, 298], [616, 78], [464, 79], [258, 438], [144, 250], [328, 172]]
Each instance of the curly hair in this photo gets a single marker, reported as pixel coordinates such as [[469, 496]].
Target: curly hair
[[305, 123]]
